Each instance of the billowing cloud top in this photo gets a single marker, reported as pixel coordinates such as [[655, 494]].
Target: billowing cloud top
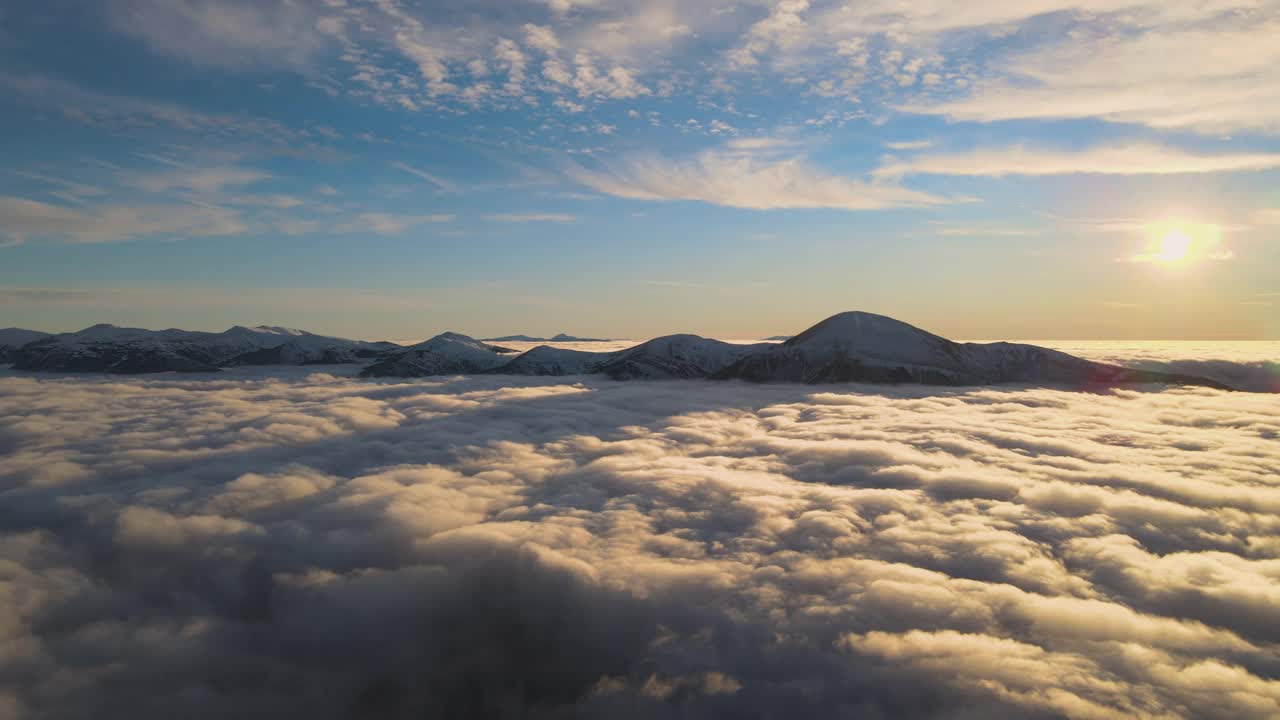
[[318, 546]]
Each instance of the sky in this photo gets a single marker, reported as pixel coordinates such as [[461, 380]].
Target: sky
[[1057, 169]]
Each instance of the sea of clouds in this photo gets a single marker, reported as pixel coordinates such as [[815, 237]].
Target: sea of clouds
[[283, 543], [1253, 366]]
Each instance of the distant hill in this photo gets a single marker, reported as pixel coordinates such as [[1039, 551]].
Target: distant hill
[[121, 350], [562, 337]]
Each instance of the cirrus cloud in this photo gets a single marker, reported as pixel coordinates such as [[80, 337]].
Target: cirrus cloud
[[1212, 78], [1118, 159], [25, 219], [741, 180]]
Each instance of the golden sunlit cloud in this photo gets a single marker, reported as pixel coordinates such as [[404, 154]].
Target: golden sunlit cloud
[[1173, 242]]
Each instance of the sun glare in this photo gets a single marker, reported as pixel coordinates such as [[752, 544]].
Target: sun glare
[[1175, 246], [1182, 243]]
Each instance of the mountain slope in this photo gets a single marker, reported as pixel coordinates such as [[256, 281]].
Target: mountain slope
[[108, 348], [295, 353], [120, 356], [562, 337], [12, 338], [863, 347], [445, 354], [547, 360], [674, 357]]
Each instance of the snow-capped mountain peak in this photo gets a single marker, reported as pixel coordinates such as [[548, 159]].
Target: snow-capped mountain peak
[[444, 354], [453, 337], [865, 347], [548, 360], [107, 331], [871, 334], [558, 338], [265, 330], [109, 348], [674, 356]]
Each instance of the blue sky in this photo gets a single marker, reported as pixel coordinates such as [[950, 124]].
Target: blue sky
[[389, 169]]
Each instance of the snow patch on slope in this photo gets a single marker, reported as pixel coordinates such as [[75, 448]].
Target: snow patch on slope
[[445, 354]]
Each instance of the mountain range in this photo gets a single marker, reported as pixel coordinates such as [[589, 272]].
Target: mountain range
[[848, 347], [562, 337], [112, 349], [868, 348]]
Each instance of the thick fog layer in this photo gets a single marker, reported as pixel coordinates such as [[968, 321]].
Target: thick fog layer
[[1248, 365], [284, 544]]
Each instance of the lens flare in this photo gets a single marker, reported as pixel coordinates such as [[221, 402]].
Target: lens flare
[[1175, 243], [1175, 246]]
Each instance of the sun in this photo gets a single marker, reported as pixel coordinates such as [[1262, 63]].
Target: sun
[[1178, 243], [1174, 246]]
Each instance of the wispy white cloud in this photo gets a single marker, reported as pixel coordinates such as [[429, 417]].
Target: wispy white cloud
[[234, 34], [440, 182], [193, 198], [1215, 79], [909, 145], [940, 17], [91, 106], [22, 219], [983, 230], [1206, 66], [762, 146], [531, 217], [384, 223], [1139, 158], [278, 201], [67, 190], [736, 180], [198, 179], [247, 302]]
